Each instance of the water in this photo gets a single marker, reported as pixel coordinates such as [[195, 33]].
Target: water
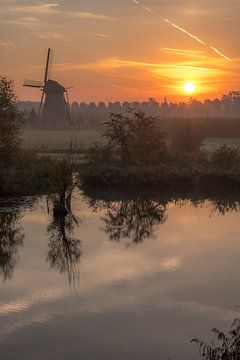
[[125, 279]]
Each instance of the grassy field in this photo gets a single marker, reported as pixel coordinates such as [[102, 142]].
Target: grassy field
[[212, 144], [43, 140]]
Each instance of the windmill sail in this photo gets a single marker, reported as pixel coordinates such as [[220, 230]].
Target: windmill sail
[[33, 83], [47, 67]]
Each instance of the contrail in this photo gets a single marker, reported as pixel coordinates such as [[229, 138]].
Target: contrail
[[142, 6], [197, 39], [185, 32]]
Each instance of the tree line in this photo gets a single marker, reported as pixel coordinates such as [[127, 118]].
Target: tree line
[[92, 115]]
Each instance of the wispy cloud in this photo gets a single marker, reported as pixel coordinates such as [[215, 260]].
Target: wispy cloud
[[29, 23], [208, 75], [51, 9], [8, 45], [106, 36], [39, 28], [182, 52], [50, 35]]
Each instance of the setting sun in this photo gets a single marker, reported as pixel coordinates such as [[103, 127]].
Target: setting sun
[[189, 88]]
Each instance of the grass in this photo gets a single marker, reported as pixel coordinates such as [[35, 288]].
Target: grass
[[44, 140], [212, 144]]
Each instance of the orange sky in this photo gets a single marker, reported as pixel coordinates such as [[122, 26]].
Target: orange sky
[[126, 50]]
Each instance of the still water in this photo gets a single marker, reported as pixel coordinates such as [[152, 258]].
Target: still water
[[125, 278]]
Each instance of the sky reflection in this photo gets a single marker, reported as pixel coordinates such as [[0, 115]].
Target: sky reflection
[[183, 276]]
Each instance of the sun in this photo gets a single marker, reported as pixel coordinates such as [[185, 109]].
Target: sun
[[189, 88]]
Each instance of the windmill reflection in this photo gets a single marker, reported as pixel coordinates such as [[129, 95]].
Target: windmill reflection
[[64, 251], [11, 239], [135, 219]]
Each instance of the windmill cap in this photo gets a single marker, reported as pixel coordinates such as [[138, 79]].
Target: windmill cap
[[53, 87]]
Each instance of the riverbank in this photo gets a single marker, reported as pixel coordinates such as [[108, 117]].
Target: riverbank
[[162, 177]]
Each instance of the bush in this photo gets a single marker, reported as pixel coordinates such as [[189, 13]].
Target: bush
[[10, 120], [137, 138], [28, 176], [226, 348], [226, 156]]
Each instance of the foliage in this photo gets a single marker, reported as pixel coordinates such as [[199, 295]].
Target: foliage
[[136, 137], [100, 154], [63, 178], [10, 121], [226, 348], [28, 176], [226, 156]]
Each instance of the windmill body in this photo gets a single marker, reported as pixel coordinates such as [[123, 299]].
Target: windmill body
[[55, 110], [54, 107]]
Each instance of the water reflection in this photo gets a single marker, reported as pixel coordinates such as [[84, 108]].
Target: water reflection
[[64, 251], [224, 206], [133, 219], [11, 239], [137, 217]]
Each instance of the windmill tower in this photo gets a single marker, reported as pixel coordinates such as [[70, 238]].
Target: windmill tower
[[54, 109]]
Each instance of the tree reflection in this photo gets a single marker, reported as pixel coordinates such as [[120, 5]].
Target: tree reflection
[[134, 219], [224, 206], [11, 238], [217, 205], [63, 250]]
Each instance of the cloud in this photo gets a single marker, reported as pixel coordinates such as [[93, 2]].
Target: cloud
[[49, 35], [44, 9], [8, 45], [88, 15], [107, 36], [182, 52], [29, 23], [209, 75], [51, 9]]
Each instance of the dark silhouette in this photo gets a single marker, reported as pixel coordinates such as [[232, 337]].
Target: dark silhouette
[[218, 116], [64, 177], [136, 137], [10, 121], [11, 239], [133, 219], [64, 251], [129, 216], [54, 109]]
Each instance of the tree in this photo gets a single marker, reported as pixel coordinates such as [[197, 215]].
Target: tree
[[118, 133], [10, 121], [63, 178], [137, 137]]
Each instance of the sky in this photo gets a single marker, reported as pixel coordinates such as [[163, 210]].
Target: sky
[[123, 50]]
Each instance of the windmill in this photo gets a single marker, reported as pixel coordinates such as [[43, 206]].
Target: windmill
[[54, 109]]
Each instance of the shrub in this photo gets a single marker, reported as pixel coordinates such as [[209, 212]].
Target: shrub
[[226, 348], [226, 156], [136, 137]]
